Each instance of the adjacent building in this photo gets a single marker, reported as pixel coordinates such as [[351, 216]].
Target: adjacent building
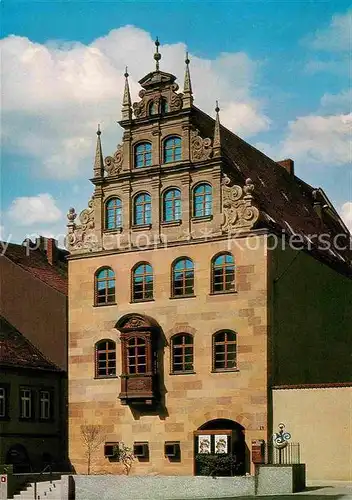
[[204, 308], [33, 356]]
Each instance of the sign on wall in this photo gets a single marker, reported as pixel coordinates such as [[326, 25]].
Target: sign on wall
[[204, 444], [221, 443]]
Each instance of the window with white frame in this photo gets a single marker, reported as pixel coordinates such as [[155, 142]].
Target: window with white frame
[[3, 409], [26, 403], [45, 405]]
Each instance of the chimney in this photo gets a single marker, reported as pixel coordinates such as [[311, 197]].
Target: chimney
[[288, 165], [51, 251]]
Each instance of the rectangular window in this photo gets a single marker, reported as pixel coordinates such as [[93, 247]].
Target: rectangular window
[[26, 407], [3, 405], [45, 405]]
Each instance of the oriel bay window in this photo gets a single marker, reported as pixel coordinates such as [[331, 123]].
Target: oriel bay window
[[139, 358], [182, 353], [136, 355], [223, 273], [105, 359], [224, 350], [104, 286], [182, 278], [142, 284]]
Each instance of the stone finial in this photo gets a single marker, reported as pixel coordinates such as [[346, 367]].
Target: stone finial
[[217, 138], [98, 161], [71, 215], [187, 87], [157, 55], [126, 101]]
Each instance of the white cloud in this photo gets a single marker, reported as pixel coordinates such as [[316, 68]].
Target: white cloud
[[337, 36], [337, 103], [28, 210], [314, 139], [55, 94], [346, 214]]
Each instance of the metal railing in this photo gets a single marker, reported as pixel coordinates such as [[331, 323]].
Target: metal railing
[[41, 474], [288, 455]]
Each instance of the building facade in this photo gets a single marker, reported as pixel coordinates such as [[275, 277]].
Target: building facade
[[33, 356], [174, 347]]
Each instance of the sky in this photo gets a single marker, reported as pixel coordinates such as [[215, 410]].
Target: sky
[[280, 70]]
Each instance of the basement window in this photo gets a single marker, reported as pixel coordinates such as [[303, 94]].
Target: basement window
[[141, 449], [172, 449]]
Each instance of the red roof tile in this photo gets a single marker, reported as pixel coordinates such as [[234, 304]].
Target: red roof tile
[[16, 350], [35, 262]]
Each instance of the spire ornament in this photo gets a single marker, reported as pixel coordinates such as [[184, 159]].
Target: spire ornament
[[98, 161], [217, 138], [187, 87], [157, 55], [126, 101]]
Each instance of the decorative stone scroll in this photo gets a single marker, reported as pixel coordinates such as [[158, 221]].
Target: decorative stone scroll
[[113, 164], [82, 236], [200, 148], [238, 210]]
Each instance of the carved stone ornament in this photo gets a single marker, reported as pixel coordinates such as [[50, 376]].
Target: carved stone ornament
[[200, 148], [135, 322], [82, 236], [237, 207], [113, 163]]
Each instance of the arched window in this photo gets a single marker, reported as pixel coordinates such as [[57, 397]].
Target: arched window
[[182, 353], [172, 149], [172, 205], [113, 214], [164, 106], [142, 209], [153, 108], [142, 282], [182, 277], [105, 358], [202, 200], [224, 350], [104, 286], [223, 273], [136, 355], [143, 155]]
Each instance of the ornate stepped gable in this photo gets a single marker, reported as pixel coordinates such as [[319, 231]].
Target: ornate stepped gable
[[82, 236]]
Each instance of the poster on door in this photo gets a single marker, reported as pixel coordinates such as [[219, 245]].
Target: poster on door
[[220, 443], [204, 444]]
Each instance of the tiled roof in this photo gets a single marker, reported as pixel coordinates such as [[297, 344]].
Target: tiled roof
[[35, 262], [285, 200], [16, 350]]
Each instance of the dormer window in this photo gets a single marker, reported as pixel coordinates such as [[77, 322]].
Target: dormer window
[[164, 106], [172, 149], [153, 108], [143, 155]]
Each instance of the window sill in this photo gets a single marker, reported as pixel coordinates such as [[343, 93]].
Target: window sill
[[104, 377], [226, 370], [183, 296], [112, 231], [225, 292], [202, 218], [140, 227], [105, 304], [183, 373], [5, 418], [171, 223], [135, 301], [46, 420], [27, 419]]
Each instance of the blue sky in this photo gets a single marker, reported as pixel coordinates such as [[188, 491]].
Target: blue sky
[[280, 70]]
